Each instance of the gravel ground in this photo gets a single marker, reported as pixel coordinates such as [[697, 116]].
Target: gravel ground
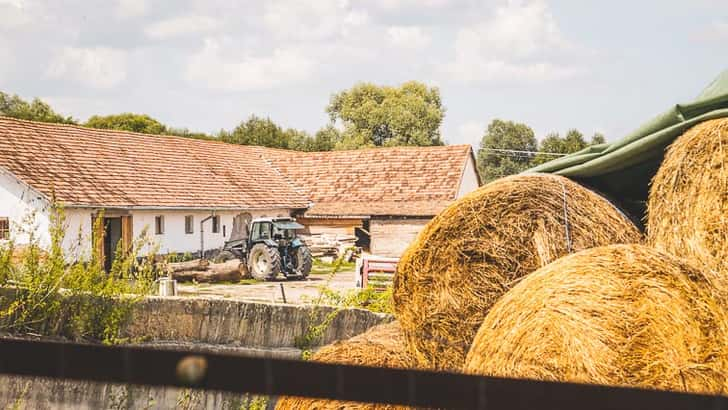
[[297, 291]]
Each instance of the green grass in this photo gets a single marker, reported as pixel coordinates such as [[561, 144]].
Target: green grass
[[324, 268]]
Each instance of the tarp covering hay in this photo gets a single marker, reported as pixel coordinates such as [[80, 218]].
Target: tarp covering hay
[[381, 346], [688, 203], [624, 315], [479, 247]]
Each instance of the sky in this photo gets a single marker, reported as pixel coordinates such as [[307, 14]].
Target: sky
[[209, 64]]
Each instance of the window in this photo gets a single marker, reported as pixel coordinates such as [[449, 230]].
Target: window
[[159, 225], [215, 224], [4, 228], [189, 224], [261, 230]]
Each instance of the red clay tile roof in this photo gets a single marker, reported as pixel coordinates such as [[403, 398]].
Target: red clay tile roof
[[90, 167], [377, 181]]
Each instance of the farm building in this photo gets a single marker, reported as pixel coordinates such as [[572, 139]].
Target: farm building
[[186, 192]]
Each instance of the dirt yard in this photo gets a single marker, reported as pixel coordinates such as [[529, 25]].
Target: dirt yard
[[304, 291]]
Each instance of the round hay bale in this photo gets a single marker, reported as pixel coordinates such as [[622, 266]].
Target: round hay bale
[[381, 346], [482, 245], [626, 315], [688, 202]]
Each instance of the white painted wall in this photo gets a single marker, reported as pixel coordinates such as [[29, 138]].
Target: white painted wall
[[24, 207], [27, 209], [175, 239], [469, 181]]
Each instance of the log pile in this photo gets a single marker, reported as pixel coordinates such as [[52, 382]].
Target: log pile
[[322, 245], [230, 271]]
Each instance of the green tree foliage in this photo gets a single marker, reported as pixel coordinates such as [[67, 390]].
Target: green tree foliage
[[264, 132], [505, 149], [388, 116], [256, 131], [572, 142], [36, 110], [127, 122]]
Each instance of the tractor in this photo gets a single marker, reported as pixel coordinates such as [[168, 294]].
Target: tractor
[[267, 247]]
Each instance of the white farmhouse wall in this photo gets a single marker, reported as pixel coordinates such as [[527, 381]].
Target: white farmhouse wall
[[391, 237], [469, 181], [25, 208], [174, 239]]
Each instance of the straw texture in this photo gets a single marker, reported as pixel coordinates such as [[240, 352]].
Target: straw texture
[[482, 245], [381, 346], [688, 202], [618, 315]]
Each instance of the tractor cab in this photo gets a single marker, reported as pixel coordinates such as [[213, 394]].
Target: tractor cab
[[269, 246]]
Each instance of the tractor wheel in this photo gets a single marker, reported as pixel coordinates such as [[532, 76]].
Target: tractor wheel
[[303, 261], [264, 262]]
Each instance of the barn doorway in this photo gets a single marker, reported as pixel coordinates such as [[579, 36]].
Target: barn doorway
[[363, 237], [112, 236], [112, 231]]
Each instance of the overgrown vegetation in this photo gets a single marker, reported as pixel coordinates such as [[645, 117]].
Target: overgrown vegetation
[[48, 292], [320, 267], [369, 298]]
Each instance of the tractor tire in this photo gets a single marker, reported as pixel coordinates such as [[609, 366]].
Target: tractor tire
[[224, 256], [264, 262], [304, 261]]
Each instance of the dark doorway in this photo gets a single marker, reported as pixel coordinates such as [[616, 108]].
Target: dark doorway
[[112, 236], [363, 238]]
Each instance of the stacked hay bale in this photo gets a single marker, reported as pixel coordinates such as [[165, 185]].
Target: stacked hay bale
[[381, 346], [467, 257], [618, 315], [688, 202]]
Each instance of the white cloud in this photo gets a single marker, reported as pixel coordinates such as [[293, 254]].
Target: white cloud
[[131, 8], [179, 26], [315, 20], [99, 67], [412, 37], [716, 31], [211, 67], [521, 41], [400, 4]]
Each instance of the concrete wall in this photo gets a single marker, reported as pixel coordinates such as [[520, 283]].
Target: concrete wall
[[192, 324], [390, 237]]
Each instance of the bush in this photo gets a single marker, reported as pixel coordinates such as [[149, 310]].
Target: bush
[[45, 294]]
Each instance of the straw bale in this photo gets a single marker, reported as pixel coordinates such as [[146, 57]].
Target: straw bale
[[482, 245], [688, 202], [625, 315], [381, 346]]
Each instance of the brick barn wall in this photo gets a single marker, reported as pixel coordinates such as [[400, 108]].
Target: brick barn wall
[[390, 237]]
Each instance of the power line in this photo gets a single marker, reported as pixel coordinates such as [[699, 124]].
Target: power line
[[515, 151]]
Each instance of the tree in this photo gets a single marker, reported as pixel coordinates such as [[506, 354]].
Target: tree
[[257, 131], [37, 110], [326, 139], [127, 122], [388, 116], [597, 138], [506, 148], [184, 132], [572, 142]]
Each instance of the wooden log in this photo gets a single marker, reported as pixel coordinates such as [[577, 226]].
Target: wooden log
[[230, 271], [196, 264]]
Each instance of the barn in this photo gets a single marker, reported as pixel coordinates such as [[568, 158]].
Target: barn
[[185, 192]]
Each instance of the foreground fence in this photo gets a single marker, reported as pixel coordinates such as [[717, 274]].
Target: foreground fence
[[277, 377]]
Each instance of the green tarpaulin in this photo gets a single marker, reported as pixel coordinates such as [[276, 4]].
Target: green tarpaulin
[[622, 170]]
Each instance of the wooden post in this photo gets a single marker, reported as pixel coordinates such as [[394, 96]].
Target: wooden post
[[97, 236], [127, 233]]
